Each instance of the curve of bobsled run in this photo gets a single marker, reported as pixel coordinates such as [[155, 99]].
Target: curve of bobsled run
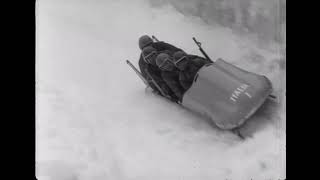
[[94, 117]]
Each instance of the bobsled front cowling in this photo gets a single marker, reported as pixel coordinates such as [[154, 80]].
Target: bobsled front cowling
[[226, 94]]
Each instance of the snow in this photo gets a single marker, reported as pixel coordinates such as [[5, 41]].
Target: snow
[[95, 121]]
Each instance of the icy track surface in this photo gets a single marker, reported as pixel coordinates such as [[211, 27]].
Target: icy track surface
[[95, 121]]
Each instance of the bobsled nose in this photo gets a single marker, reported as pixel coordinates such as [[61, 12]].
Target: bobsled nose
[[227, 94]]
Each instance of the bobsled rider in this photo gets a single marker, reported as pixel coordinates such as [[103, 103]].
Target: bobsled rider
[[148, 63], [148, 56], [170, 75], [188, 67]]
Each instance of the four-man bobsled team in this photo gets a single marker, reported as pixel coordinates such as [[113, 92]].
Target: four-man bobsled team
[[172, 69], [228, 95]]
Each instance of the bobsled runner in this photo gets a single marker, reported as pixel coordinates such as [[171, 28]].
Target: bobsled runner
[[224, 93]]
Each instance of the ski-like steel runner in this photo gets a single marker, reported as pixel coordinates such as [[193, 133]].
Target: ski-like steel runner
[[200, 48], [138, 73], [156, 84], [146, 82]]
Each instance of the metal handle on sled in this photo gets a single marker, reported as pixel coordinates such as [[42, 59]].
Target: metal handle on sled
[[153, 37], [200, 48]]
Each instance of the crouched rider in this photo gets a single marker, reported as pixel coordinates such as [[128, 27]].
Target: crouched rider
[[188, 66], [170, 75], [149, 55], [150, 50]]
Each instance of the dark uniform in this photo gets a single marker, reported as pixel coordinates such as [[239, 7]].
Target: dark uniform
[[187, 75], [171, 78], [156, 75], [199, 61], [154, 71], [165, 47]]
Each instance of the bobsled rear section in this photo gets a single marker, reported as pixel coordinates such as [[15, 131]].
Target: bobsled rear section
[[226, 94]]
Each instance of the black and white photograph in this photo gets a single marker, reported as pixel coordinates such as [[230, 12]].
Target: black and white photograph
[[160, 89]]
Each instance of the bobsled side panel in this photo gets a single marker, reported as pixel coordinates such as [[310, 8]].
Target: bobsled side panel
[[226, 94], [241, 74]]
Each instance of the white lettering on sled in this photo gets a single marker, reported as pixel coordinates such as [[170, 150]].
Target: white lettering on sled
[[236, 93], [248, 94]]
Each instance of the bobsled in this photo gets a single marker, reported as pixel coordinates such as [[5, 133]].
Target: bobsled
[[226, 94]]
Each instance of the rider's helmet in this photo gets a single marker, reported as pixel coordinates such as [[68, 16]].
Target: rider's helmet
[[149, 55], [145, 41], [165, 62]]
